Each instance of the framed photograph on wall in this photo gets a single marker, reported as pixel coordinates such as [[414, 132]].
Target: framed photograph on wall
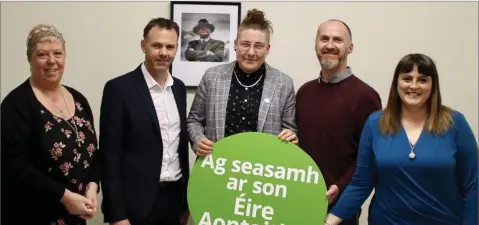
[[207, 34]]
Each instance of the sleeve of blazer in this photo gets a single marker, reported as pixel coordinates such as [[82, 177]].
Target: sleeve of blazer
[[190, 55], [219, 52], [17, 132], [111, 128], [184, 149], [289, 110], [217, 48], [196, 117]]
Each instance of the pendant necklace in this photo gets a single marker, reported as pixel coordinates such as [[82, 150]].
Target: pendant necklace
[[74, 127], [412, 155]]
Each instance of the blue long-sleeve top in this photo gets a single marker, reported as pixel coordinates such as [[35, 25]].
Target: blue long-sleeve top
[[437, 187]]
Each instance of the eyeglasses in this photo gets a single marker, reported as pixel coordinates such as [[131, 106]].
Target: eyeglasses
[[258, 47]]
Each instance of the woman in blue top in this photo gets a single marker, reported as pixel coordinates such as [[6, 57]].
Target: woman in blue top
[[419, 155]]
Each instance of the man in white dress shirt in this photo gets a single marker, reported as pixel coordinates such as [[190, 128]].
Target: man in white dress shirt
[[143, 137]]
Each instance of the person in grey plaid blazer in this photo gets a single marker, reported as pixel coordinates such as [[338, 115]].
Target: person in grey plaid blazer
[[244, 95]]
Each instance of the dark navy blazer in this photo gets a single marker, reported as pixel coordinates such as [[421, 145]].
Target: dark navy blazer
[[131, 143]]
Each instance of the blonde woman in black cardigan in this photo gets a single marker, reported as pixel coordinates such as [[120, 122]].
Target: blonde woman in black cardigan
[[49, 146]]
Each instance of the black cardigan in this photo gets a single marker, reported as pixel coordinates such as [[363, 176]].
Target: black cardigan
[[21, 166]]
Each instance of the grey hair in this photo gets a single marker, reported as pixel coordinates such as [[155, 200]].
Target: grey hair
[[41, 31]]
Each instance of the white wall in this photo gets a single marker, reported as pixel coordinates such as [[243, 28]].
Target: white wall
[[103, 41]]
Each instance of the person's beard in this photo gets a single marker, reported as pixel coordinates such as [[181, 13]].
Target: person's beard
[[328, 63]]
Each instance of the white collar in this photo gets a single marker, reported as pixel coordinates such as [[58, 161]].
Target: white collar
[[150, 82], [205, 40]]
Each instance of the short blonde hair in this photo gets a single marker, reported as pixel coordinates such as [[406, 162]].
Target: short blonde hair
[[41, 31]]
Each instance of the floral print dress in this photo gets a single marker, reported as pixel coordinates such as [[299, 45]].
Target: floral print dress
[[70, 158]]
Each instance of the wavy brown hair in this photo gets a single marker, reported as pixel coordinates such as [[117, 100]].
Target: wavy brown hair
[[255, 19], [439, 117]]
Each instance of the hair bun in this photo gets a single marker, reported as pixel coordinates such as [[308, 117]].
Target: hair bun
[[255, 19], [255, 15]]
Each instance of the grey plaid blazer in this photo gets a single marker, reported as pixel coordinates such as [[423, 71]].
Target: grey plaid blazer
[[208, 111]]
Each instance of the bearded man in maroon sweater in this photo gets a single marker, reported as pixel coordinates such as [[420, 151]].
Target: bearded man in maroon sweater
[[331, 111]]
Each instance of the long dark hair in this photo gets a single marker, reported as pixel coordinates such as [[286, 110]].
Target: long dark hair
[[439, 117]]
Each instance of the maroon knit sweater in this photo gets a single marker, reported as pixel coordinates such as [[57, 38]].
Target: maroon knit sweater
[[330, 119]]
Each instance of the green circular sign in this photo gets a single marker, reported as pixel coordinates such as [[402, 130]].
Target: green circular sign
[[256, 179]]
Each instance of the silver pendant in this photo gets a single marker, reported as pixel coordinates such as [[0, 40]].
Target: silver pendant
[[78, 140], [246, 88], [412, 155]]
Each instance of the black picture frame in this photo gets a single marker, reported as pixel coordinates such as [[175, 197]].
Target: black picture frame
[[225, 17]]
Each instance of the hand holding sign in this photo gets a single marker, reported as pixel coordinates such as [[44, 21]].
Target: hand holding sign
[[204, 147], [332, 193], [256, 179]]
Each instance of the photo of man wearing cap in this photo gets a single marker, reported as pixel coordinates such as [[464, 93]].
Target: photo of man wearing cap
[[205, 49]]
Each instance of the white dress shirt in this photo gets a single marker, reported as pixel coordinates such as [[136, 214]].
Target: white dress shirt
[[169, 119]]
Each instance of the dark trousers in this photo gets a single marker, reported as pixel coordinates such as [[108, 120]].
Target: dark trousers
[[166, 209]]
